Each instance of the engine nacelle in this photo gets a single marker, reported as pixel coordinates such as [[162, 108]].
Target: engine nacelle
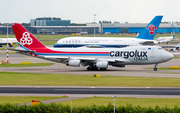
[[11, 44], [102, 64], [74, 63]]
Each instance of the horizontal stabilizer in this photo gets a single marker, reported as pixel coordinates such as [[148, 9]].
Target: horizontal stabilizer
[[20, 50]]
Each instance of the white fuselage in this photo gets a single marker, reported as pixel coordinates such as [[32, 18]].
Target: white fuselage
[[165, 39], [129, 55], [101, 41], [3, 41]]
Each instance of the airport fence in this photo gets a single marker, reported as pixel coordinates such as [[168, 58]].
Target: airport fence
[[58, 108]]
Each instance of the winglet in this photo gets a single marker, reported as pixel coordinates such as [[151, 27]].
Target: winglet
[[150, 30], [25, 38]]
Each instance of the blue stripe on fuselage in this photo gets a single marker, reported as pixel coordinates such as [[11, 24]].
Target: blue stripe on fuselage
[[81, 45], [23, 47], [65, 54]]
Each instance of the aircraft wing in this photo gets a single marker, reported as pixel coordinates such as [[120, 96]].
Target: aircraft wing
[[65, 57], [86, 59]]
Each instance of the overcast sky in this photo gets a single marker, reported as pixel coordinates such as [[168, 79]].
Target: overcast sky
[[82, 11]]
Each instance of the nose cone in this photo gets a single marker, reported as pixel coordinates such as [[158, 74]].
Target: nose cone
[[167, 56]]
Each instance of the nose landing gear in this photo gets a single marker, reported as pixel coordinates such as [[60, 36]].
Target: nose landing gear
[[155, 67]]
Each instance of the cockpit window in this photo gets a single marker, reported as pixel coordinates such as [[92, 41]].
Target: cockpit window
[[159, 48]]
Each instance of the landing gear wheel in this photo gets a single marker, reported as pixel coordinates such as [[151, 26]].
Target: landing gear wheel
[[95, 68], [92, 68], [88, 68], [155, 69], [102, 69]]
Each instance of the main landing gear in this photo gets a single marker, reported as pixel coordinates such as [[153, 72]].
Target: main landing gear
[[155, 67], [95, 69], [92, 68]]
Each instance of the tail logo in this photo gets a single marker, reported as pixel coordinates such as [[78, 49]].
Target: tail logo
[[151, 29], [26, 39]]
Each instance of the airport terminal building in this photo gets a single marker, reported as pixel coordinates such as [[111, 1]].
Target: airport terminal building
[[52, 25], [49, 21], [138, 27]]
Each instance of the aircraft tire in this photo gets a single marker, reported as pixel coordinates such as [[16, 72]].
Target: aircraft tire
[[155, 69], [92, 68], [102, 69], [88, 68]]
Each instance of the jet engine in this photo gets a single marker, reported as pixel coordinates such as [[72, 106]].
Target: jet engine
[[74, 63], [10, 44], [102, 64]]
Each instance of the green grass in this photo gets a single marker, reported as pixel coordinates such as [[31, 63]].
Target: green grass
[[25, 65], [8, 53], [48, 42], [25, 99], [5, 36], [31, 79], [121, 101], [176, 57], [165, 68]]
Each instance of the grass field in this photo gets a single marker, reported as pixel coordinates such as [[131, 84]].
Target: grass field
[[120, 101], [25, 65], [25, 99], [176, 57], [48, 42], [31, 79]]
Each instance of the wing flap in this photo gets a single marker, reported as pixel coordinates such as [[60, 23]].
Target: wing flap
[[65, 57]]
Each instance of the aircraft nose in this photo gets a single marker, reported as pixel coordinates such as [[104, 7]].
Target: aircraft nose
[[167, 56]]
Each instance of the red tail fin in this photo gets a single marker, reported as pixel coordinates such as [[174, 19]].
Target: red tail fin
[[25, 38]]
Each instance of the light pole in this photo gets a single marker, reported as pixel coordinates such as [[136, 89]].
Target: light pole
[[114, 102], [7, 45], [94, 24]]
